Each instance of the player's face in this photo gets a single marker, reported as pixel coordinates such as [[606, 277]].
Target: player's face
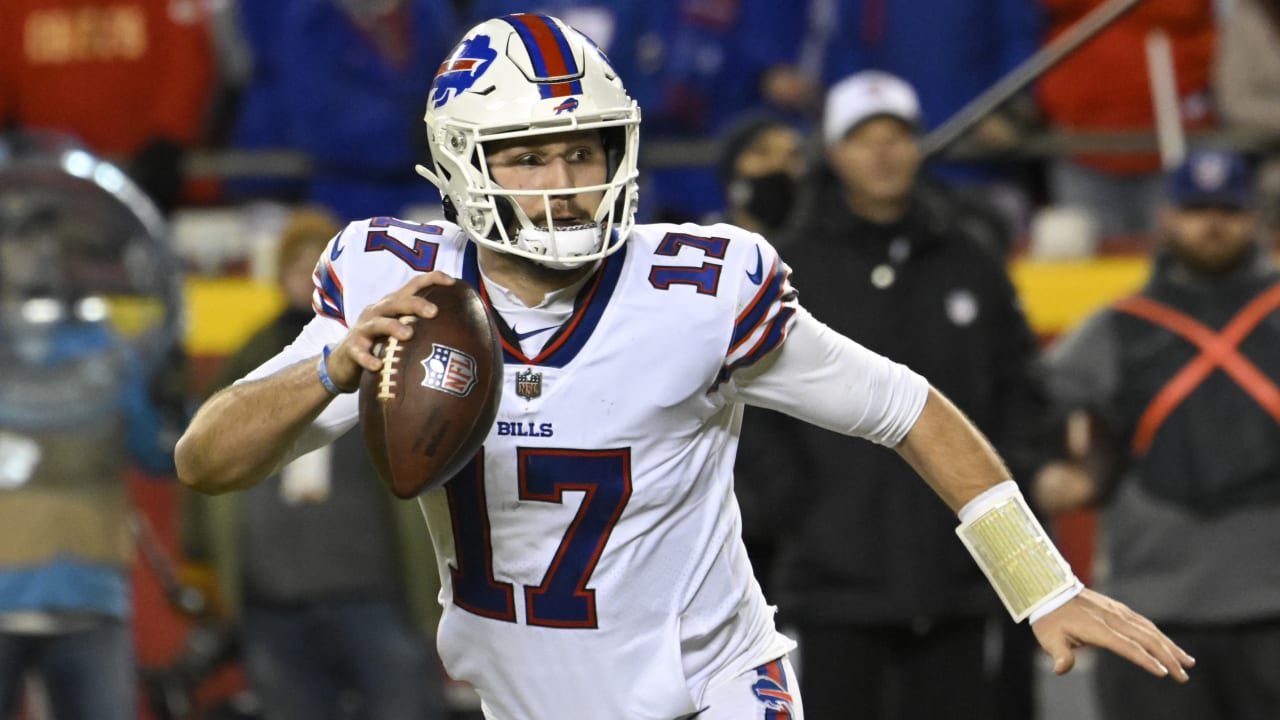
[[550, 162], [877, 159], [1208, 239]]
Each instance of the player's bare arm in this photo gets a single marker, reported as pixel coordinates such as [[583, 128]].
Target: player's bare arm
[[243, 433], [950, 453], [959, 464]]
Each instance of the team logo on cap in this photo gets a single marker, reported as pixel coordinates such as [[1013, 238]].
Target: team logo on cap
[[461, 70], [449, 370], [1210, 172]]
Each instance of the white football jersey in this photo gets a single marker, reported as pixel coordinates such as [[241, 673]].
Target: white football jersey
[[591, 556]]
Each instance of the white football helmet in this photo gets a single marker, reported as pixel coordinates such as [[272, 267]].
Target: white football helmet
[[525, 75]]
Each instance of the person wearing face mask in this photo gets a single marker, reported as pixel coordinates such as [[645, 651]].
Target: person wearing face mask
[[759, 167], [892, 624]]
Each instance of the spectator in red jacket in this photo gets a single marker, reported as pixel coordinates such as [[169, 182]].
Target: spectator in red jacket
[[131, 78], [1104, 86]]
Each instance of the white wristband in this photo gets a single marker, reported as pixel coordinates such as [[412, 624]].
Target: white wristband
[[1015, 553], [1048, 605]]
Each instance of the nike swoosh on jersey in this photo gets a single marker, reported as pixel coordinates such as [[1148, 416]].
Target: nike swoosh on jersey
[[335, 252], [526, 335], [757, 275]]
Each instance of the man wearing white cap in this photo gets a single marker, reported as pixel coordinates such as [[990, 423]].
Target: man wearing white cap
[[864, 96], [893, 621]]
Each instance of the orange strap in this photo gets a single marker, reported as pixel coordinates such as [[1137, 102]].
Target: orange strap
[[1217, 350]]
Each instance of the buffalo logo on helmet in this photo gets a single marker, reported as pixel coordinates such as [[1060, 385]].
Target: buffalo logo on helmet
[[449, 370], [569, 105], [461, 70]]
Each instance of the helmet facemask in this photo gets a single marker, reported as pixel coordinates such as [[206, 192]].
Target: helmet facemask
[[508, 104]]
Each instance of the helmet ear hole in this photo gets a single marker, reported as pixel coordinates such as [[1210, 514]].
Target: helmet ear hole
[[614, 140], [450, 211]]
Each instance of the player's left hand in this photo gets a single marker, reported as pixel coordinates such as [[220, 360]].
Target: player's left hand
[[1092, 618]]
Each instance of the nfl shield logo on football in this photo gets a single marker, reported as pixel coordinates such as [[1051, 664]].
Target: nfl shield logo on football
[[528, 384], [449, 370]]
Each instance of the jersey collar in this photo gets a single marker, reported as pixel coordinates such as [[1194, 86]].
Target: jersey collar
[[588, 308]]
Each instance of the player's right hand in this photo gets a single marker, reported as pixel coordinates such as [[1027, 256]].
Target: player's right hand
[[381, 319]]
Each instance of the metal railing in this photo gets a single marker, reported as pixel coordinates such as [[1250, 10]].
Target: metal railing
[[665, 153]]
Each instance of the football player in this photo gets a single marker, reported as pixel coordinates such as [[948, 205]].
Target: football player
[[595, 568]]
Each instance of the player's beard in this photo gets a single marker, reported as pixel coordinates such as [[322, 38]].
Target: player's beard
[[537, 271]]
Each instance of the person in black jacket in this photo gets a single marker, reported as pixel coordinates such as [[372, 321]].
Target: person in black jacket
[[894, 619]]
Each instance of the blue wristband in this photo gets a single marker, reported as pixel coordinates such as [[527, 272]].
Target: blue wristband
[[322, 369]]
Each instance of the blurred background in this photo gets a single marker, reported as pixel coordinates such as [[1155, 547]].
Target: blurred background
[[1059, 118]]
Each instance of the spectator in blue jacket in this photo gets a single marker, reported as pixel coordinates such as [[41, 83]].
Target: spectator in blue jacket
[[341, 82]]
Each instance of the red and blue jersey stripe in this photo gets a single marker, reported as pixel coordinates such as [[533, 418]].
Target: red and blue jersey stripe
[[327, 299], [770, 292], [554, 65], [775, 333], [760, 321]]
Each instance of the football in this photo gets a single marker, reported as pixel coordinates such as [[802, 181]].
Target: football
[[426, 413]]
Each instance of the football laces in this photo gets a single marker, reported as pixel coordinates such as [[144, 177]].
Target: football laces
[[390, 364]]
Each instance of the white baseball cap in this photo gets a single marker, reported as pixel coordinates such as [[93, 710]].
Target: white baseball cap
[[864, 95]]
